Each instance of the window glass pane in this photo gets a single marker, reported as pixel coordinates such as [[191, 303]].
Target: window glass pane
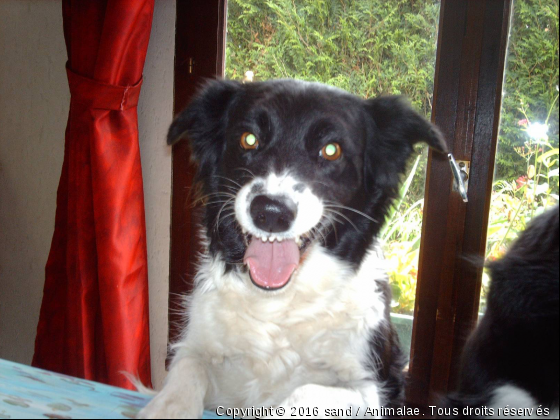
[[368, 47], [526, 181]]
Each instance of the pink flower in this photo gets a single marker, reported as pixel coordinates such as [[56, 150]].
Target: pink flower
[[522, 181], [523, 123]]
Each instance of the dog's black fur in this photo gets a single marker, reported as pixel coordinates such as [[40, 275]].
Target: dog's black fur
[[516, 342], [293, 121]]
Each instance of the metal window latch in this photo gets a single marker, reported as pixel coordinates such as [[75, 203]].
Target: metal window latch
[[461, 171], [191, 65]]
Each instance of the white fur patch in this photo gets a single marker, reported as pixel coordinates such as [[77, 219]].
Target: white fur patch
[[327, 402], [183, 395], [513, 399], [310, 207], [259, 348]]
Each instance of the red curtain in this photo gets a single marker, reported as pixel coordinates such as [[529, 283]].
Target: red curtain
[[94, 320]]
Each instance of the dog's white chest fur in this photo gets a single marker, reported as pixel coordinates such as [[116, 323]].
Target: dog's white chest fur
[[258, 347]]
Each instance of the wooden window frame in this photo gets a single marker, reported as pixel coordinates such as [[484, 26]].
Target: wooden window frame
[[199, 55], [470, 66], [472, 48]]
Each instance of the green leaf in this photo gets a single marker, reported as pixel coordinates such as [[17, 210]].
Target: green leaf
[[549, 154]]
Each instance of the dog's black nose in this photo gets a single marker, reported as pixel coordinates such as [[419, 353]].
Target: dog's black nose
[[273, 214]]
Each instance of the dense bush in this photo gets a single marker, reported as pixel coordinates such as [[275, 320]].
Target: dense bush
[[531, 79], [368, 47]]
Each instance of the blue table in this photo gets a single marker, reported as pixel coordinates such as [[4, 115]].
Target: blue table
[[29, 393]]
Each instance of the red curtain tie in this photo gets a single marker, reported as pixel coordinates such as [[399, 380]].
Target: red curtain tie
[[99, 95]]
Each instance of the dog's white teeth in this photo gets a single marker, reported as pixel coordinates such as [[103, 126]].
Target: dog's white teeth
[[298, 240], [274, 238]]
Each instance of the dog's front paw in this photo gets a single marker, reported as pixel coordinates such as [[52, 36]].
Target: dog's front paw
[[324, 402], [171, 406], [307, 401]]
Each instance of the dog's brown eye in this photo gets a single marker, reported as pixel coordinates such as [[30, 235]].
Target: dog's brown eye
[[331, 151], [249, 141]]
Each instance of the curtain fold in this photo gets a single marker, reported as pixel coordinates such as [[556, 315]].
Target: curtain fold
[[94, 320]]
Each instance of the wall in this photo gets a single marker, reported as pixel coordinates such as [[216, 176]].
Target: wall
[[34, 102], [155, 113], [33, 111]]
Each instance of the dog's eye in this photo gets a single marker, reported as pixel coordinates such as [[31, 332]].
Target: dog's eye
[[249, 141], [331, 151]]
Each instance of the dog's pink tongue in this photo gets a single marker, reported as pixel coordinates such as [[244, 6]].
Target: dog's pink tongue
[[272, 264]]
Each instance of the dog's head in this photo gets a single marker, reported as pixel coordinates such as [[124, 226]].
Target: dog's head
[[286, 165]]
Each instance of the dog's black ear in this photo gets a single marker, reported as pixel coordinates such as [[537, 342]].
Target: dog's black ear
[[397, 123], [396, 129], [205, 119]]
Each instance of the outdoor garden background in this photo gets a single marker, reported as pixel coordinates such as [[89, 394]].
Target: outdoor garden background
[[374, 47]]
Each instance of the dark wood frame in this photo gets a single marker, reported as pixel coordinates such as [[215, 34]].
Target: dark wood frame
[[199, 55], [467, 101]]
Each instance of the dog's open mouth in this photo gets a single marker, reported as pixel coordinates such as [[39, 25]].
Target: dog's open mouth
[[272, 263]]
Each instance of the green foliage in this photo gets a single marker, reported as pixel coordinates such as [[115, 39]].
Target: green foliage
[[515, 203], [531, 79], [367, 47], [401, 236]]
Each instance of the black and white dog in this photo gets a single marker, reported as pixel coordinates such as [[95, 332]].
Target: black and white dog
[[511, 360], [291, 304]]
